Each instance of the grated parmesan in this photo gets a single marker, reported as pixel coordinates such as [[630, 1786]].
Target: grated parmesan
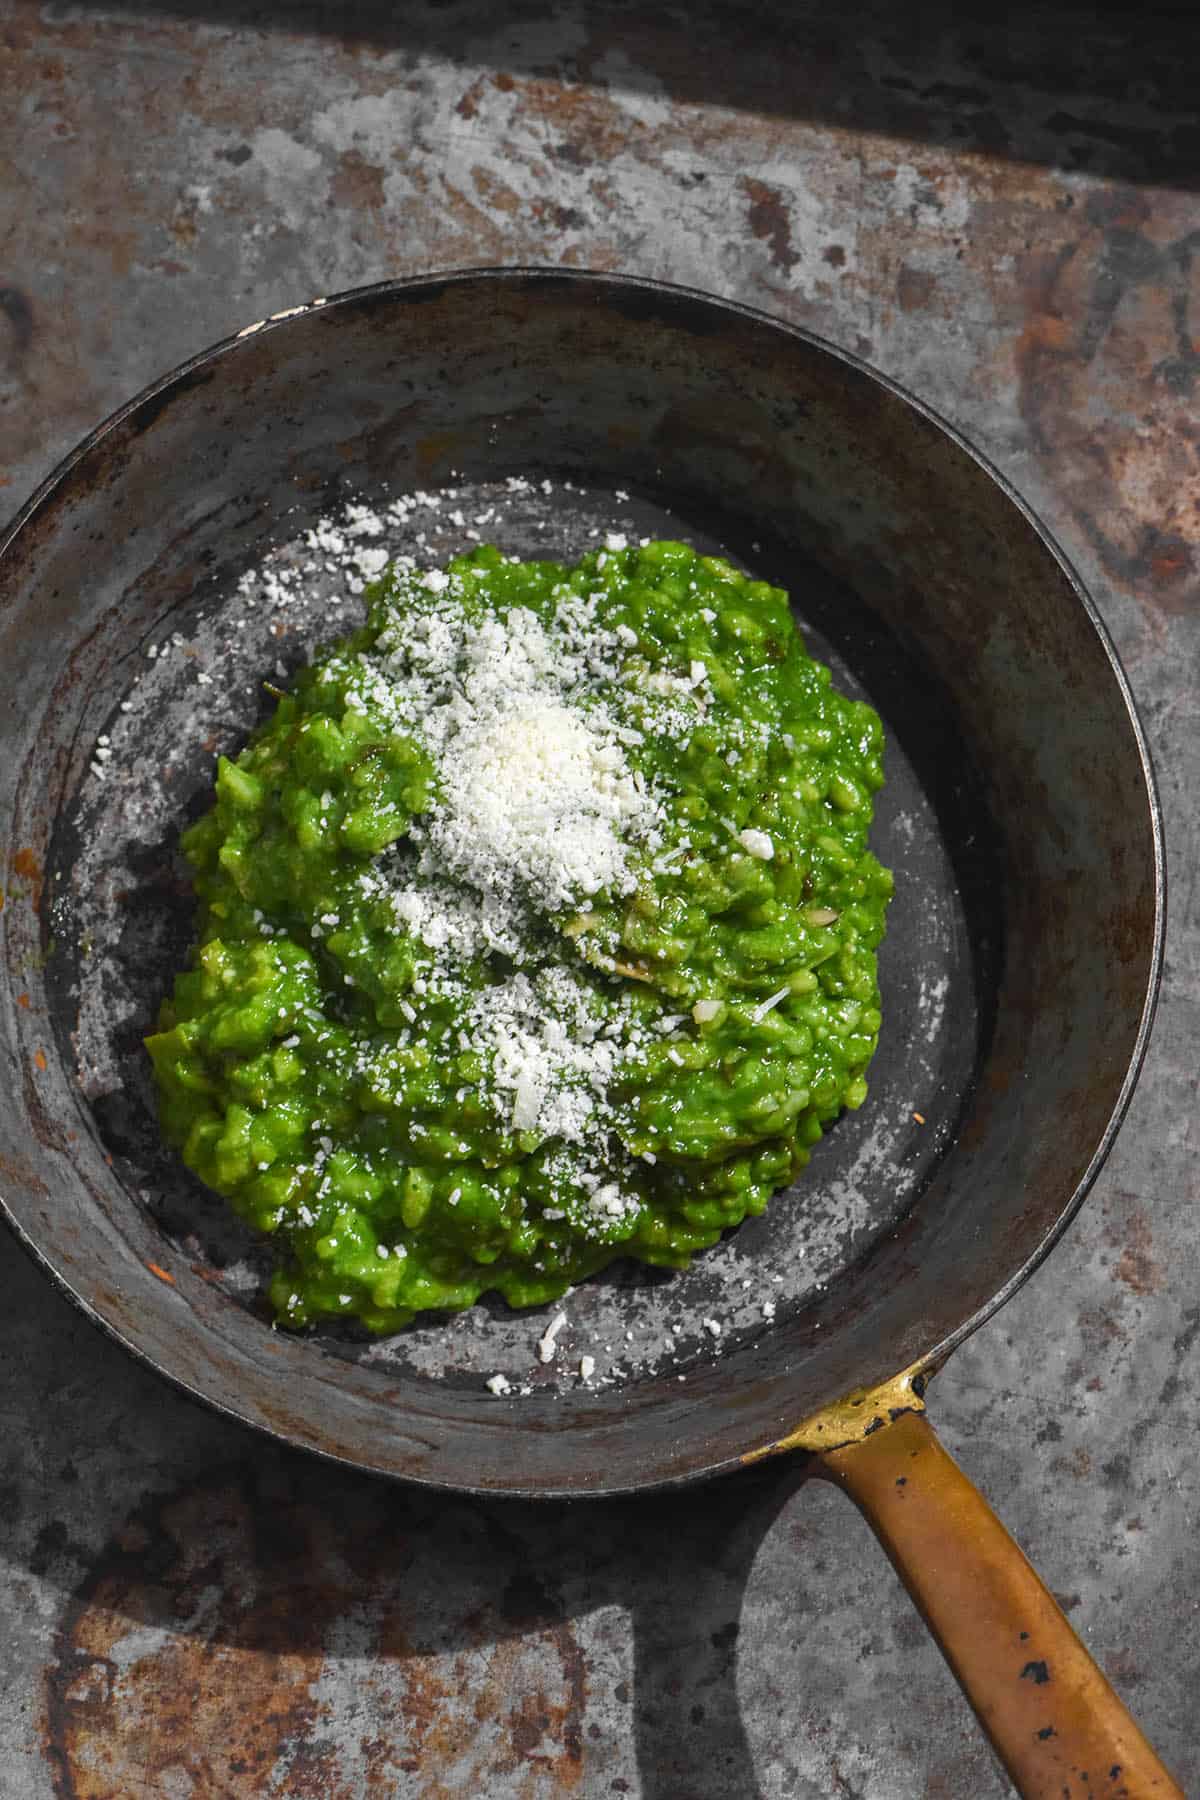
[[534, 812], [546, 1343]]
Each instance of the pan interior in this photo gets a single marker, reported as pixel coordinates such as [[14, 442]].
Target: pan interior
[[122, 920], [1019, 795]]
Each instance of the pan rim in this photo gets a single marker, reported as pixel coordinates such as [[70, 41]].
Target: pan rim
[[534, 274]]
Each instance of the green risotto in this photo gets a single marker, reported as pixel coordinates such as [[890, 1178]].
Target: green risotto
[[537, 928]]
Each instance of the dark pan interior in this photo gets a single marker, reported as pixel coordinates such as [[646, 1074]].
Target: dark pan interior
[[1022, 941], [123, 922]]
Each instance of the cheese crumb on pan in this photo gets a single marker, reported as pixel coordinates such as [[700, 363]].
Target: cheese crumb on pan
[[546, 1343]]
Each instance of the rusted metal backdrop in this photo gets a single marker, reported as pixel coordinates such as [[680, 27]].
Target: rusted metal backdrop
[[1001, 214]]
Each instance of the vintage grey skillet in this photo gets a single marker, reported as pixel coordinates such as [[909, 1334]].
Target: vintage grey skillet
[[1019, 973]]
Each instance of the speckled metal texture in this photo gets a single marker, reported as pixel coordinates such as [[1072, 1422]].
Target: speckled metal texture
[[996, 209], [123, 920], [1022, 770]]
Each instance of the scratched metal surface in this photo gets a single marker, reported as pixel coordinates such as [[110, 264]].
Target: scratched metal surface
[[1005, 218]]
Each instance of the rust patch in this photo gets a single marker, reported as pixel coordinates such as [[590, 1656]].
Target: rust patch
[[357, 183], [471, 220], [26, 865], [1135, 1266], [468, 104], [594, 128], [914, 288], [1078, 1464], [205, 1651], [1099, 1329], [16, 1170], [39, 1060], [769, 221], [435, 449], [494, 192], [183, 229], [1112, 315]]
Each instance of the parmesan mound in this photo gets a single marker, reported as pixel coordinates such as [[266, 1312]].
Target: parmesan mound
[[536, 796], [536, 805], [536, 811]]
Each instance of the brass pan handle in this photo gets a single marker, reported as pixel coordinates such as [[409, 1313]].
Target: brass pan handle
[[1056, 1723]]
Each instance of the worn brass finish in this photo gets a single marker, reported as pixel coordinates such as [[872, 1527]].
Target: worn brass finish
[[857, 1416], [1052, 1716]]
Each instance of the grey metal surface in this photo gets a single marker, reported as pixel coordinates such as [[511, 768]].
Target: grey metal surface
[[190, 1613]]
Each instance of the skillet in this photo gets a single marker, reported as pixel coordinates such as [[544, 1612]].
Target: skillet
[[1019, 973]]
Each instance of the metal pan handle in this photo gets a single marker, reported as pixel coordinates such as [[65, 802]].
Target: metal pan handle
[[1057, 1724]]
